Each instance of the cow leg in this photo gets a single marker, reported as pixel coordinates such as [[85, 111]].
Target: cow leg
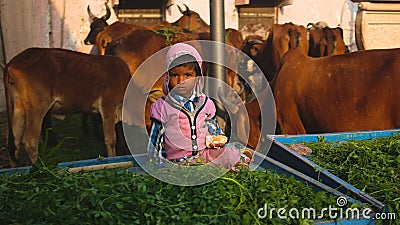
[[122, 146], [52, 139], [84, 123], [242, 130], [109, 134], [96, 123], [31, 136], [289, 121], [18, 128]]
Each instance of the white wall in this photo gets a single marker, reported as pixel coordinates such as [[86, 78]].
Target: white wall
[[202, 7], [44, 23], [65, 23], [335, 12]]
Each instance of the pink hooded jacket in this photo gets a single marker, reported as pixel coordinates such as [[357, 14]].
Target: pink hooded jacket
[[185, 131]]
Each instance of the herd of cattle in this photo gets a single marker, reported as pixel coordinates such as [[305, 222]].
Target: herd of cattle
[[317, 86]]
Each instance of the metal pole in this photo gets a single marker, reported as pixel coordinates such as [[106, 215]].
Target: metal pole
[[217, 22], [217, 29]]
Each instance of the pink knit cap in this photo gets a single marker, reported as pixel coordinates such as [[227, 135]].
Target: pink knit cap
[[173, 53]]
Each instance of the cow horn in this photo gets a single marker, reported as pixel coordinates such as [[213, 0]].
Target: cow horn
[[312, 24], [187, 8], [180, 10], [92, 17], [255, 41], [108, 13]]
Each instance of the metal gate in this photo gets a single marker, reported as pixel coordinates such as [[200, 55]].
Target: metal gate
[[143, 17], [265, 15], [256, 21]]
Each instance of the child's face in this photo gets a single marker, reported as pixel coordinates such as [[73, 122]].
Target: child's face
[[182, 80]]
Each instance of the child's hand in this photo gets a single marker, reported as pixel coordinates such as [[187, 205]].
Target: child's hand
[[216, 141]]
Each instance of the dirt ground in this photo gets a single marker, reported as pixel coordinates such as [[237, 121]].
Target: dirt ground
[[82, 146], [75, 143]]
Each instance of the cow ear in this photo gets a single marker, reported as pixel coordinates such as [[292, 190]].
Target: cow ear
[[341, 31], [104, 42]]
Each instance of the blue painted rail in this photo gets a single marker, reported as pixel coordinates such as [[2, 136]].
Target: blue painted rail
[[334, 137], [311, 172]]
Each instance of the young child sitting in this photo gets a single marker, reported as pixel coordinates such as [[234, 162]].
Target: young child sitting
[[184, 128]]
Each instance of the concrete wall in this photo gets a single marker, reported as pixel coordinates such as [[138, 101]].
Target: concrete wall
[[46, 23], [335, 12], [378, 25], [202, 7]]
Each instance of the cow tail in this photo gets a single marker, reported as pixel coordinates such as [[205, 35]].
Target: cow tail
[[9, 105], [330, 41]]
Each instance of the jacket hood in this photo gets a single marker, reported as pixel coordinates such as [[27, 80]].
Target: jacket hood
[[176, 51]]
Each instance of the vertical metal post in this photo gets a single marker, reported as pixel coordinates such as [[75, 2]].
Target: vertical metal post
[[217, 22], [217, 26]]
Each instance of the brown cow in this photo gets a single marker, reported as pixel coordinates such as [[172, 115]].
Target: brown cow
[[247, 119], [134, 49], [113, 32], [42, 81], [97, 25], [252, 45], [254, 117], [326, 41], [348, 92], [233, 38], [103, 34], [118, 29], [191, 20], [281, 38]]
